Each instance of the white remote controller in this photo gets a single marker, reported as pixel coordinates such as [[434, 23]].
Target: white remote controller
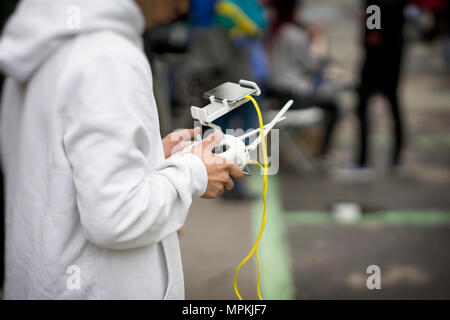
[[233, 149]]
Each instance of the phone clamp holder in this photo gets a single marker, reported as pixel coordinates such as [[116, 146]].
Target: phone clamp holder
[[216, 109]]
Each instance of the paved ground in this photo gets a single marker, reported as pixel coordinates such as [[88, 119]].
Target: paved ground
[[216, 237], [305, 253], [331, 262]]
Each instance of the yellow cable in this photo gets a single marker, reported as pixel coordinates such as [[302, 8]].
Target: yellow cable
[[263, 222]]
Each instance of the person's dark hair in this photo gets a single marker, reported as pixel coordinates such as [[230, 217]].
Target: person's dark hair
[[284, 12]]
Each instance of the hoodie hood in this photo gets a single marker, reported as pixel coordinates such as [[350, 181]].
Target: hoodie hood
[[39, 27]]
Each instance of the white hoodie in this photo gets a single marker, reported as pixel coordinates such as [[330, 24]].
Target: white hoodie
[[93, 208]]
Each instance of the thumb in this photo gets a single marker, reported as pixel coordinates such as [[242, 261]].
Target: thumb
[[211, 141]]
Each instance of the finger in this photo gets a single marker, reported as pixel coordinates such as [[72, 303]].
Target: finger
[[236, 172], [229, 184], [181, 146], [221, 191], [215, 159], [184, 134], [207, 195], [178, 136], [211, 141], [210, 158]]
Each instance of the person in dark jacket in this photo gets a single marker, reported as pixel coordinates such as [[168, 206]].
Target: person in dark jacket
[[380, 73]]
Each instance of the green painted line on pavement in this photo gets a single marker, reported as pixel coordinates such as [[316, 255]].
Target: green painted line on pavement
[[433, 140], [421, 140], [420, 218], [276, 273]]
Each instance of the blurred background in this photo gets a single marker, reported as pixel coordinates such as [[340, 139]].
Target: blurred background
[[364, 152]]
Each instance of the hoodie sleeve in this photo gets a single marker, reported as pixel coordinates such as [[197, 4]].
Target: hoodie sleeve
[[124, 200]]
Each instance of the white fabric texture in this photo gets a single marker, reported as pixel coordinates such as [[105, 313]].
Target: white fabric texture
[[88, 191]]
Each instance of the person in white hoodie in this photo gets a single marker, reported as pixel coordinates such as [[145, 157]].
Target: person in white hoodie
[[92, 204]]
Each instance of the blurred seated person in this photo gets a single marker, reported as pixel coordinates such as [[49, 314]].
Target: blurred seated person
[[299, 64]]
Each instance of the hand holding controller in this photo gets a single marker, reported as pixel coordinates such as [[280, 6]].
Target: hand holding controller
[[219, 170]]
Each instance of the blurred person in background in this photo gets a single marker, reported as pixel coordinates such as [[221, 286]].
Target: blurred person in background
[[380, 73], [93, 203], [431, 19], [299, 63], [426, 18]]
